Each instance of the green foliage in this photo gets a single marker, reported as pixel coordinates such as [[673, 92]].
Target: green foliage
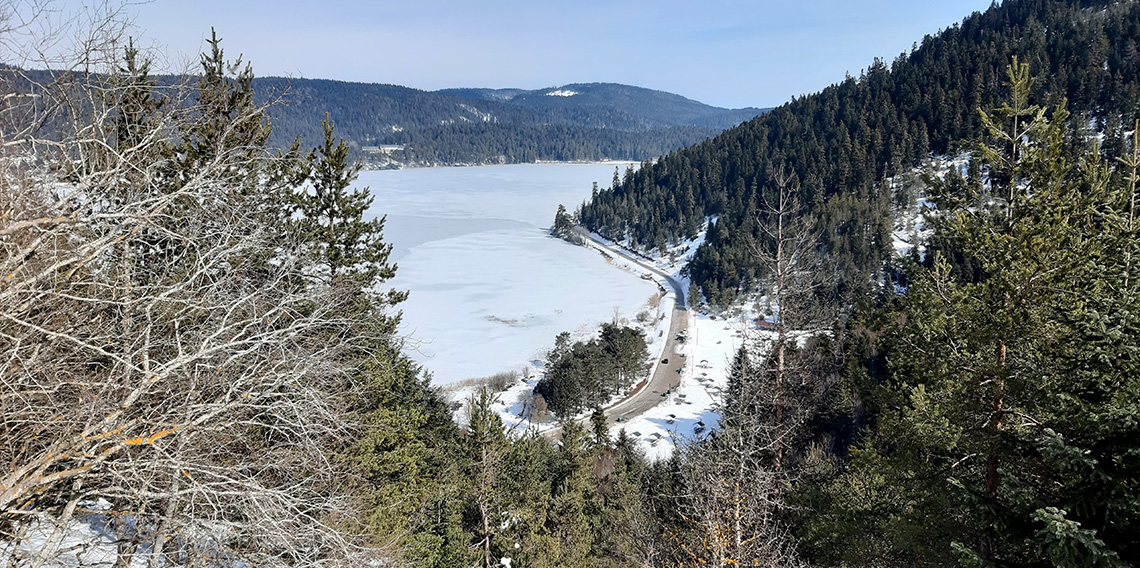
[[470, 127], [844, 141], [563, 224], [332, 217], [1067, 545], [227, 122], [1007, 431], [134, 100], [589, 373]]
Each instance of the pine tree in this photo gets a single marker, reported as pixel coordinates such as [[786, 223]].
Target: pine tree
[[135, 102], [997, 384], [599, 428], [573, 503], [486, 450], [228, 124], [332, 217], [564, 225]]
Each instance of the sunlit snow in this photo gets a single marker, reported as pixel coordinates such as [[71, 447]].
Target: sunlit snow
[[489, 289]]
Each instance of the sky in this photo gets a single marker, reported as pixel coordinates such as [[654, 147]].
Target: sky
[[728, 53]]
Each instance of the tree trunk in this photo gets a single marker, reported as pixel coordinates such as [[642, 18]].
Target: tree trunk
[[486, 535]]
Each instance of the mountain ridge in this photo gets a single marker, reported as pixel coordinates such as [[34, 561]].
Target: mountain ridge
[[670, 109], [467, 125]]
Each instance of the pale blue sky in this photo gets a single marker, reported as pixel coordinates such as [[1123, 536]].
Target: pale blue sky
[[729, 53]]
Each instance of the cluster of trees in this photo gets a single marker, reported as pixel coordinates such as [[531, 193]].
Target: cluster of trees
[[998, 397], [497, 143], [577, 503], [593, 499], [566, 226], [843, 142], [587, 374], [199, 354]]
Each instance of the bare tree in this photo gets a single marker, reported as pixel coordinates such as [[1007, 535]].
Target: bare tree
[[788, 251], [737, 477], [168, 361], [734, 487]]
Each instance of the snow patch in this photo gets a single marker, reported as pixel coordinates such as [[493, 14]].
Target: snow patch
[[693, 409], [482, 116], [562, 93]]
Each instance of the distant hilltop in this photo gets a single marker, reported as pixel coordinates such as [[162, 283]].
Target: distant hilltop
[[391, 125], [616, 106]]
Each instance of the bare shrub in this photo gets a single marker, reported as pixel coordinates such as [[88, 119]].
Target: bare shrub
[[535, 408], [165, 347], [500, 382]]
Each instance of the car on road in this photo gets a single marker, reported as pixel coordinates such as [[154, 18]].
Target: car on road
[[665, 361]]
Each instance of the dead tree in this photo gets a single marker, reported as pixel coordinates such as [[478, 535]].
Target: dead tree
[[796, 282]]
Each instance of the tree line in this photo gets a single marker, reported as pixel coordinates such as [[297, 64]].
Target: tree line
[[448, 128], [845, 141], [496, 143]]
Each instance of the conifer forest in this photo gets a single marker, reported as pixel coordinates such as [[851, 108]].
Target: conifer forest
[[200, 341]]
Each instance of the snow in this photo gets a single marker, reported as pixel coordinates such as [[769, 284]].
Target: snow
[[712, 341], [693, 409], [911, 228], [562, 93], [90, 540], [483, 116], [490, 289], [652, 318]]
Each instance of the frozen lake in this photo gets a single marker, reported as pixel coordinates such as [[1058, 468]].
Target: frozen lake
[[489, 289]]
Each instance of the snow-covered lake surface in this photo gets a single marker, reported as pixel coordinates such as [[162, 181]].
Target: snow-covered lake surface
[[489, 289]]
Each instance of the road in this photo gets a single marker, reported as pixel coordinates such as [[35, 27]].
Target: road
[[667, 376]]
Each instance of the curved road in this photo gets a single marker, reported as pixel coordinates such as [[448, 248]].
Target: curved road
[[667, 376]]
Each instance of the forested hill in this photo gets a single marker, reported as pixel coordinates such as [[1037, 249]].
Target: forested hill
[[842, 143], [610, 105], [494, 126]]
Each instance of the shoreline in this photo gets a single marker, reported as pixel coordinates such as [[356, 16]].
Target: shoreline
[[366, 168]]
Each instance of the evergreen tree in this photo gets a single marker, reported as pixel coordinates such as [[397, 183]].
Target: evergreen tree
[[332, 217], [228, 123], [599, 428], [572, 504], [996, 382], [486, 449]]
